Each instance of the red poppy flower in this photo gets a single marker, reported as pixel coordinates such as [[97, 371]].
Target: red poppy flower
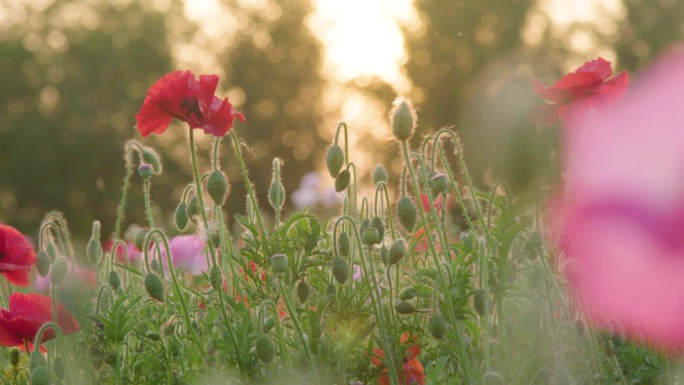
[[16, 256], [414, 373], [26, 314], [180, 95], [579, 92]]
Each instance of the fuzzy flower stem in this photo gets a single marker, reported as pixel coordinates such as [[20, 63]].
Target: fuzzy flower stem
[[298, 328], [248, 184], [382, 186], [58, 218], [60, 341], [148, 207], [103, 289], [115, 245], [484, 286], [129, 147]]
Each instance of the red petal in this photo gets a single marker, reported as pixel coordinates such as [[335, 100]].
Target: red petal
[[163, 102], [206, 93], [219, 120], [615, 89], [151, 119], [18, 277], [599, 66]]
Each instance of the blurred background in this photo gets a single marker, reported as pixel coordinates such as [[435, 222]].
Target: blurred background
[[73, 74]]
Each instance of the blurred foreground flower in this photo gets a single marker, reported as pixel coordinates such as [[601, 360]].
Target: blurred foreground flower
[[621, 217], [180, 95], [413, 369], [187, 253], [16, 256], [26, 314], [579, 92]]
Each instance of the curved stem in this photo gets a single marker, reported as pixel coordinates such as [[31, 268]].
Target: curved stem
[[128, 157], [383, 186], [298, 328], [245, 176]]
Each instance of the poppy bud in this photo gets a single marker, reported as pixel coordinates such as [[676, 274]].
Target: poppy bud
[[114, 280], [408, 293], [94, 251], [154, 287], [276, 192], [370, 236], [265, 349], [154, 265], [303, 291], [404, 307], [403, 119], [492, 378], [51, 251], [406, 212], [340, 270], [384, 255], [215, 278], [151, 157], [140, 238], [479, 302], [36, 359], [279, 263], [193, 206], [269, 323], [154, 336], [397, 251], [217, 186], [437, 326], [439, 183], [376, 223], [180, 216], [342, 180], [535, 240], [14, 356], [43, 263], [379, 175], [330, 291], [58, 368], [364, 225], [40, 376], [215, 239], [169, 329], [145, 171], [334, 160], [343, 244], [59, 270]]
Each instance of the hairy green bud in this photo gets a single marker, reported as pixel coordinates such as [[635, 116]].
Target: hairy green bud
[[334, 160]]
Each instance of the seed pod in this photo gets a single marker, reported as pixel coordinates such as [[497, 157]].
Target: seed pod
[[342, 180], [215, 278], [43, 263], [94, 251], [217, 186], [114, 280], [279, 263], [479, 302], [40, 376], [370, 236], [193, 206], [379, 175], [145, 171], [140, 238], [397, 251], [343, 244], [265, 349], [406, 212], [59, 270], [180, 216], [376, 223], [384, 255], [439, 183], [340, 270], [492, 378], [36, 359], [404, 307], [154, 287], [334, 160], [269, 323], [437, 326], [303, 291], [408, 293], [403, 119]]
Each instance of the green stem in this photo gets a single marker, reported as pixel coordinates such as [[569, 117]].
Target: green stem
[[148, 206], [298, 328], [248, 184]]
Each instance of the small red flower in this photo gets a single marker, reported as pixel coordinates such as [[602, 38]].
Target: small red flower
[[16, 256], [180, 95], [26, 314], [414, 373], [579, 92]]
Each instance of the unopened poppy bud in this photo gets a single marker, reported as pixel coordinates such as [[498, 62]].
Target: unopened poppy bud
[[276, 192], [94, 251], [154, 336], [269, 323], [397, 251], [303, 291], [406, 212], [169, 329], [180, 216], [492, 378], [215, 239], [43, 263], [59, 270], [215, 278], [140, 236], [342, 180], [151, 157], [437, 326], [279, 263], [439, 182], [377, 223], [343, 244], [479, 302], [217, 187], [384, 255], [193, 206], [408, 293], [154, 287], [58, 368], [370, 236], [264, 349], [14, 356], [114, 280], [340, 269], [334, 160], [403, 119], [155, 266], [145, 171], [365, 224], [379, 175], [40, 376], [36, 359], [404, 307], [330, 290]]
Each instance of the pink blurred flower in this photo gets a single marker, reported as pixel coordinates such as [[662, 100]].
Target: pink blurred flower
[[620, 220], [187, 253]]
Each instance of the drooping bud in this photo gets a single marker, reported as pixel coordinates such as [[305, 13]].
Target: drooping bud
[[94, 247], [114, 280], [384, 255], [406, 212], [343, 244], [154, 336], [437, 326], [269, 323], [58, 368], [334, 160], [279, 263], [342, 180], [265, 349], [40, 376], [408, 293], [193, 206], [397, 251], [43, 263], [330, 291], [340, 270], [215, 278], [404, 307], [36, 359], [217, 187], [379, 175], [59, 270], [365, 224], [154, 286], [303, 291], [151, 157], [403, 119], [145, 171], [180, 216], [439, 183], [140, 236], [370, 236], [276, 193], [377, 223]]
